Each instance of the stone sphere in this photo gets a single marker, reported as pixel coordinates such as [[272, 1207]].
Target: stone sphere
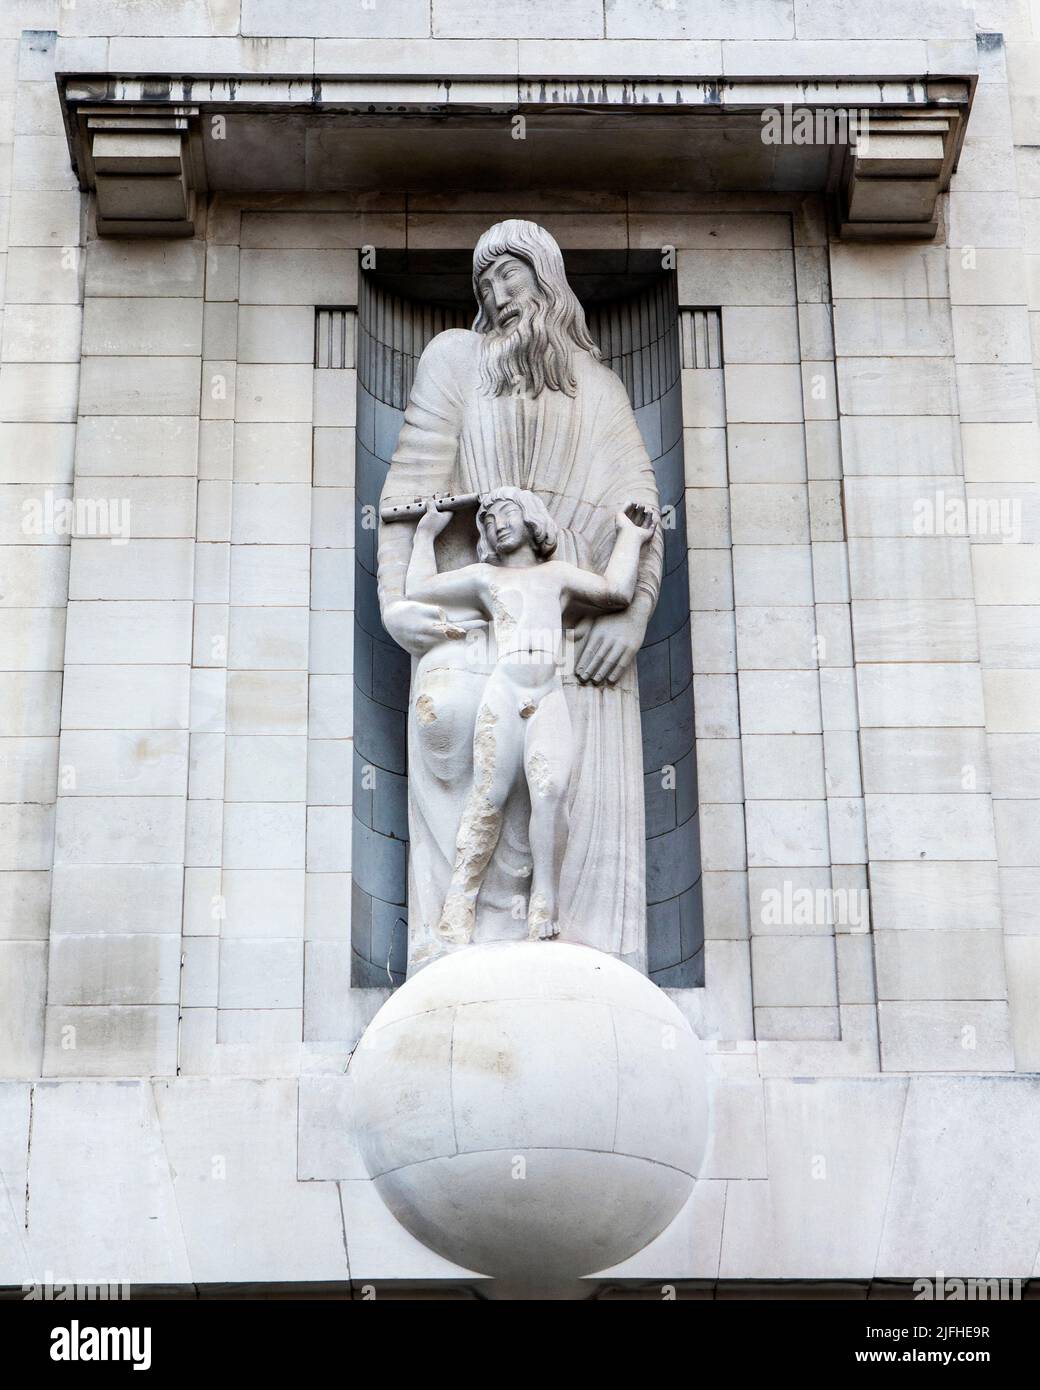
[[535, 1111]]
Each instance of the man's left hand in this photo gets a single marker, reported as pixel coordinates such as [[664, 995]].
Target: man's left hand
[[609, 646]]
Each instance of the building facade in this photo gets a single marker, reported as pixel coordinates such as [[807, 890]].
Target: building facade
[[807, 237]]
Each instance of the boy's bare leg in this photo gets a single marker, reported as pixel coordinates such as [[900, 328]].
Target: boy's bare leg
[[548, 756], [497, 749]]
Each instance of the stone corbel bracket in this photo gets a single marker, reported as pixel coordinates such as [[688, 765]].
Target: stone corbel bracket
[[138, 141], [146, 165], [894, 169]]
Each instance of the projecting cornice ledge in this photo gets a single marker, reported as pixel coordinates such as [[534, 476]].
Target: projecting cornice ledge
[[885, 149]]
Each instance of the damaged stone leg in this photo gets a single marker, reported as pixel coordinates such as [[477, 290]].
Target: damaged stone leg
[[547, 762]]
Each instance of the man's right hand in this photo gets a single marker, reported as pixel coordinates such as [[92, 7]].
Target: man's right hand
[[419, 626]]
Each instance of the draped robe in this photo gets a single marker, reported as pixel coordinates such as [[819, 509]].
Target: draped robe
[[584, 456]]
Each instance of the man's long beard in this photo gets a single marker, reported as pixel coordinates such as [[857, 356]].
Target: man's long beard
[[514, 362]]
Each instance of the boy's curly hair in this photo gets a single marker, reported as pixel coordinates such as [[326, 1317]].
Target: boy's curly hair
[[540, 525]]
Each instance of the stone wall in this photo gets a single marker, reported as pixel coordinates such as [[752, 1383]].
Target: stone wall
[[177, 799]]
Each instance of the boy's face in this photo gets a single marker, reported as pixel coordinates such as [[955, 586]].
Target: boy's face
[[505, 526]]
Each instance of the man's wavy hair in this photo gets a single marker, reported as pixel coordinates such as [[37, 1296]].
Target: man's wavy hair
[[538, 352], [540, 525]]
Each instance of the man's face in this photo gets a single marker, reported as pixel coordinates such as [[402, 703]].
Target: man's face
[[505, 526], [508, 290]]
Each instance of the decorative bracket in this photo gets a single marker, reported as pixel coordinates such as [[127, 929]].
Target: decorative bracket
[[146, 166], [895, 167]]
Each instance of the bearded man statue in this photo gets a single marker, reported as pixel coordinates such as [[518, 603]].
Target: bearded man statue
[[522, 400]]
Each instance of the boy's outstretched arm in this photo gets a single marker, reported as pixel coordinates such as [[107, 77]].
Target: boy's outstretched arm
[[422, 582], [613, 589]]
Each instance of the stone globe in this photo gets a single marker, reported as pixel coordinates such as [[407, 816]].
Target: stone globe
[[534, 1111]]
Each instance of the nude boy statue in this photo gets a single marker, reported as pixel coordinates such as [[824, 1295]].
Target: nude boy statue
[[523, 719]]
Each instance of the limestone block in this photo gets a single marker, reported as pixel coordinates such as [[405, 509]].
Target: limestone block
[[855, 960], [898, 506], [142, 327], [722, 837], [278, 393], [330, 772], [842, 763], [44, 391], [930, 826], [896, 386], [787, 832], [31, 702], [935, 895], [329, 835], [272, 453], [121, 763], [37, 452], [138, 898], [273, 768], [267, 702], [131, 697], [760, 572], [332, 579], [776, 638], [968, 1134], [779, 702], [1006, 574], [41, 333], [711, 580], [132, 445], [948, 964], [823, 449], [1018, 833], [923, 695], [1015, 759], [28, 837], [705, 457], [261, 974], [703, 399], [119, 830], [45, 218], [996, 392], [1004, 451], [145, 269], [1023, 977], [766, 514], [926, 567], [716, 713], [264, 835], [750, 277], [278, 333], [942, 630], [713, 635], [120, 633], [991, 333], [763, 393], [298, 277], [263, 903], [782, 765], [328, 907], [1009, 637], [205, 765], [760, 335], [139, 386], [43, 275], [33, 639], [110, 1040], [220, 330], [900, 272], [924, 760], [892, 328], [826, 1140], [766, 453], [331, 642], [270, 514], [987, 277], [265, 638], [275, 574], [214, 512], [912, 444], [332, 517], [749, 19], [23, 991], [798, 1024], [200, 972], [335, 398], [142, 968], [29, 771], [104, 1201], [208, 701]]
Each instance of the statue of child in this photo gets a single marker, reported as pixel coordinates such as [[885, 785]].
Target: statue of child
[[523, 721]]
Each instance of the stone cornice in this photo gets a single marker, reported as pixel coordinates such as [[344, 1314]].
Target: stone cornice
[[137, 141]]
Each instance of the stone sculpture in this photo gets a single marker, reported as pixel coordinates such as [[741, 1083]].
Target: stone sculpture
[[503, 1057], [522, 400], [522, 720]]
